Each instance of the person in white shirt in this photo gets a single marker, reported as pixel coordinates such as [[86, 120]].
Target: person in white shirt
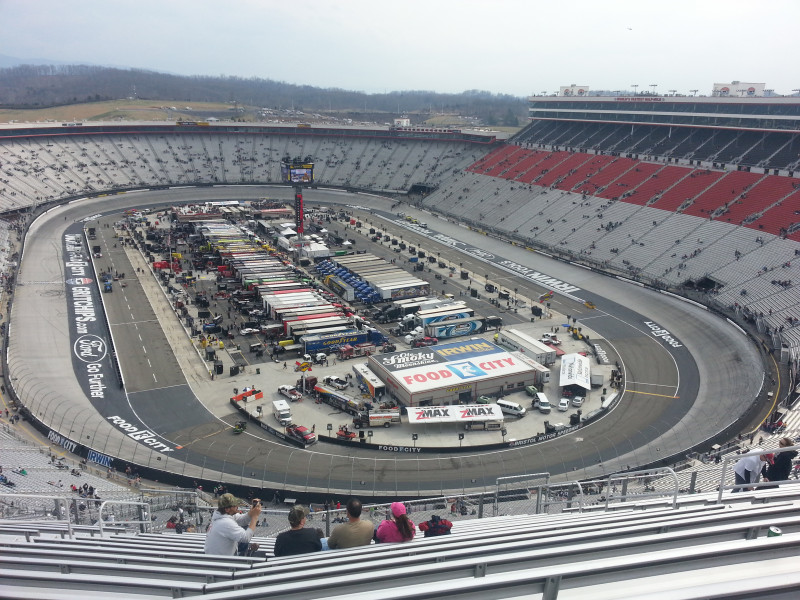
[[228, 528], [748, 469]]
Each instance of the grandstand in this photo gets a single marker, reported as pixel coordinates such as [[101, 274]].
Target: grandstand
[[644, 186], [548, 541], [657, 196]]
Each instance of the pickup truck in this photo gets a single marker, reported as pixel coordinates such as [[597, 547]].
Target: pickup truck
[[290, 392], [549, 338], [335, 382], [423, 342], [304, 434]]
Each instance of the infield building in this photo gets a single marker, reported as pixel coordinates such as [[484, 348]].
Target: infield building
[[454, 373]]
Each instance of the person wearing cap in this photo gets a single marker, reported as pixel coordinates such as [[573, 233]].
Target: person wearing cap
[[353, 533], [748, 469], [228, 528], [299, 539], [398, 529], [781, 465]]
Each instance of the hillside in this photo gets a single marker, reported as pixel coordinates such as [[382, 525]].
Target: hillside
[[144, 93]]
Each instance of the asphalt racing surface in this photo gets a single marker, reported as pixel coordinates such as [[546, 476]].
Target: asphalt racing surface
[[688, 373]]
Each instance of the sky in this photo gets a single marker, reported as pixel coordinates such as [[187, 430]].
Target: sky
[[517, 47]]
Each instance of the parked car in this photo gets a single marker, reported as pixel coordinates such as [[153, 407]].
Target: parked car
[[577, 401], [550, 338], [336, 382], [563, 404]]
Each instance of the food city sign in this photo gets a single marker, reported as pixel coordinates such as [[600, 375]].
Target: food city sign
[[660, 332]]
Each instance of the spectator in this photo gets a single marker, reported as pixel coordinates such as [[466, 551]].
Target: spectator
[[782, 463], [748, 469], [436, 526], [228, 528], [299, 539], [398, 529], [353, 533]]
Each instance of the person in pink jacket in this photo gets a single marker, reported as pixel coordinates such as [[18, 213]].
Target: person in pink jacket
[[398, 529]]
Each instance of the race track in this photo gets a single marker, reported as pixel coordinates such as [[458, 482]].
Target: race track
[[675, 397]]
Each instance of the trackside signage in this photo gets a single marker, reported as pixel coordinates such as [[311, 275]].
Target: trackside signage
[[89, 348], [144, 436], [100, 459], [60, 440], [659, 332], [540, 278], [454, 414], [91, 351], [543, 279], [543, 437]]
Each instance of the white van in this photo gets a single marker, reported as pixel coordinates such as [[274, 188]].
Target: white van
[[541, 402], [511, 408], [282, 412]]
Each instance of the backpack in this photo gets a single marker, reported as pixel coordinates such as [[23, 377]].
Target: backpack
[[436, 527]]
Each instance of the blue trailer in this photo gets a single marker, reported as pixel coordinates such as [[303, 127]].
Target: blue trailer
[[331, 341]]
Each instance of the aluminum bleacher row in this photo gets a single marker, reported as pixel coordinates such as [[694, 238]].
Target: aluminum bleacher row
[[590, 554], [37, 170]]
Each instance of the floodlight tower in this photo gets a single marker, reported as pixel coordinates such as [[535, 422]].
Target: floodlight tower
[[298, 172]]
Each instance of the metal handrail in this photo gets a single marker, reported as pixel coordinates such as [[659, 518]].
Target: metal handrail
[[60, 500], [728, 459], [143, 510]]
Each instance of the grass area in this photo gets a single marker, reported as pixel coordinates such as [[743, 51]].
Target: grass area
[[159, 110], [112, 110]]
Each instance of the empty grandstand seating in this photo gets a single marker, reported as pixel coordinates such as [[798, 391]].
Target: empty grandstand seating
[[725, 191], [778, 219]]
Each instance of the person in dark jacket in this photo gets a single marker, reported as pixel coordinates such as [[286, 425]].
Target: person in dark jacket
[[299, 539], [436, 526], [781, 466]]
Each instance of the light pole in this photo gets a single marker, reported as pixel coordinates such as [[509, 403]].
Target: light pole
[[694, 92], [460, 439], [672, 92], [414, 438], [634, 86], [654, 86]]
